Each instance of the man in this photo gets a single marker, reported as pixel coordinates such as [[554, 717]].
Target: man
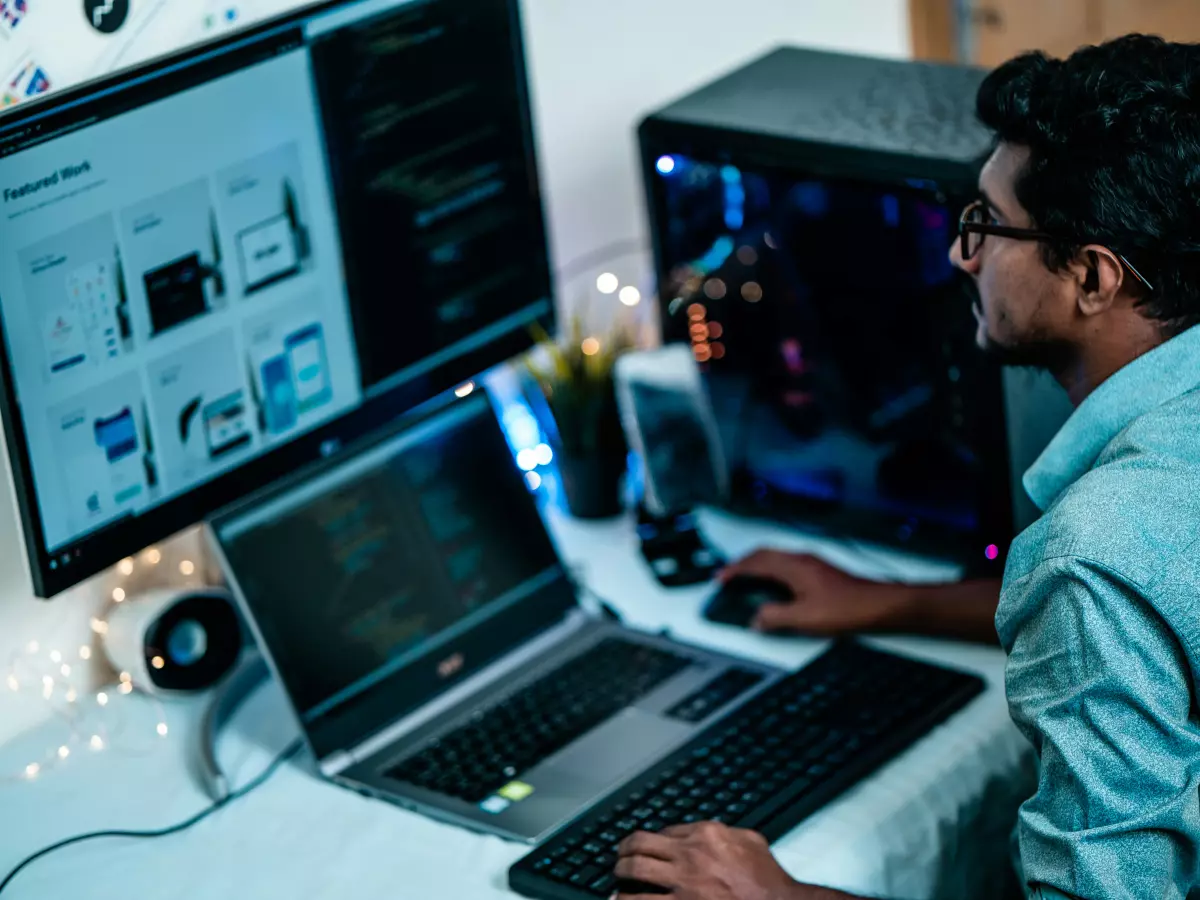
[[1085, 245]]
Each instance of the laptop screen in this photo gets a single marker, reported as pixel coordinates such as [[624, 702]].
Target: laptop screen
[[372, 576]]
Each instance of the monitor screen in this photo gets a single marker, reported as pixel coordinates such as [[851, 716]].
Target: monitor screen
[[363, 569], [838, 342], [226, 263]]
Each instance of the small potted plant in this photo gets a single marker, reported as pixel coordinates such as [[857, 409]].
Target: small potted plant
[[576, 378]]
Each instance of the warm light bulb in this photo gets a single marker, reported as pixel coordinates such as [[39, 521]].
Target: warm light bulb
[[55, 656], [64, 751], [630, 296], [102, 698], [126, 687], [187, 567], [153, 556], [118, 595], [590, 346], [162, 729], [85, 652], [31, 771], [752, 292], [125, 566], [464, 390], [96, 743], [125, 677], [608, 283], [714, 289], [697, 312], [99, 626], [158, 662]]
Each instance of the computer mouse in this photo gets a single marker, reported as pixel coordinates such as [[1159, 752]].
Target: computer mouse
[[740, 598]]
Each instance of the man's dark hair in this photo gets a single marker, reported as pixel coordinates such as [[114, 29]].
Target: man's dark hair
[[1114, 139]]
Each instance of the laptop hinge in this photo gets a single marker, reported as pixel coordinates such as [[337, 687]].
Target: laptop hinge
[[336, 763], [520, 658]]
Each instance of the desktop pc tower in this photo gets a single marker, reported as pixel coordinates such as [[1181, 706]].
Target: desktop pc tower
[[801, 211]]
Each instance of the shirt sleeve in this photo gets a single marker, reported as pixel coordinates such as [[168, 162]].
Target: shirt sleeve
[[1101, 686]]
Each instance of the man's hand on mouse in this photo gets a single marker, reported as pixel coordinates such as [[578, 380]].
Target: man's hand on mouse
[[708, 861], [825, 600]]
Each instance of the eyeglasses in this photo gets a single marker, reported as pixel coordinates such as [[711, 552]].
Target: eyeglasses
[[973, 227]]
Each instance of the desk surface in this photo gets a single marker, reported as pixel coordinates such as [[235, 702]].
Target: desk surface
[[933, 823]]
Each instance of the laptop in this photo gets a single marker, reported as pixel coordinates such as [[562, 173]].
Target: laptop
[[409, 600]]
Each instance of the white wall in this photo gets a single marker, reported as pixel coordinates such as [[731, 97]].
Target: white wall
[[597, 67]]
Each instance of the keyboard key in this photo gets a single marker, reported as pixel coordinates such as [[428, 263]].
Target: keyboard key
[[603, 886], [587, 876]]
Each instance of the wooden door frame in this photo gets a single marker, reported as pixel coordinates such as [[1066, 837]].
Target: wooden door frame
[[933, 30]]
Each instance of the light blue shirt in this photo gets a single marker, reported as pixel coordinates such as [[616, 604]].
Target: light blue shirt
[[1100, 615]]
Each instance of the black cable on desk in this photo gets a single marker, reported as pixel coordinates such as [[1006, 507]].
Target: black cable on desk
[[291, 750]]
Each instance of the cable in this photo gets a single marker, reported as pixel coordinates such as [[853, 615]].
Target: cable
[[291, 750]]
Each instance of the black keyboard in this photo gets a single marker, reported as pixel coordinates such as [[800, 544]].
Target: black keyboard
[[497, 744], [766, 766]]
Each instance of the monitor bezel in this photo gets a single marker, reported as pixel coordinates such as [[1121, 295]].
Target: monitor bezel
[[91, 553]]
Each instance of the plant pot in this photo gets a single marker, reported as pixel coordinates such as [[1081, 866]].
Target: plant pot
[[592, 484]]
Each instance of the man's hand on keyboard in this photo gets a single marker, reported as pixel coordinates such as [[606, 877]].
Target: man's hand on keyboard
[[707, 861]]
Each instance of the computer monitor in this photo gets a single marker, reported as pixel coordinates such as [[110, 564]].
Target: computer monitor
[[803, 209], [225, 264]]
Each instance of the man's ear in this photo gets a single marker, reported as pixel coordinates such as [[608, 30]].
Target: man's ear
[[1098, 276]]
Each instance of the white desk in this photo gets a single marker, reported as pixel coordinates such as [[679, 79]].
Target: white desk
[[933, 823]]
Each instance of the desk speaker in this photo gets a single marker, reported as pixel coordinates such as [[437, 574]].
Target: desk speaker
[[174, 641]]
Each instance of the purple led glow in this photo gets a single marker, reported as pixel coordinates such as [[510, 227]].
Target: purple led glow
[[992, 552]]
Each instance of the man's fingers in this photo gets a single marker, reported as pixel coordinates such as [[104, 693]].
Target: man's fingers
[[761, 563], [777, 617], [649, 845], [645, 870], [681, 831]]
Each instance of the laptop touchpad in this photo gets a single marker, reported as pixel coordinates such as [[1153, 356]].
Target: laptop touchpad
[[621, 747]]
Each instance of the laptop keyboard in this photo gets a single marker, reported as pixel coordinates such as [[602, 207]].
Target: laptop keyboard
[[765, 766], [497, 744]]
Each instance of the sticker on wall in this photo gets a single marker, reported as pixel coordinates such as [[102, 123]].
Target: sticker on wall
[[27, 79], [12, 14]]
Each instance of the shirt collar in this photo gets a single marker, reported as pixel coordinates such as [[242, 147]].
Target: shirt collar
[[1166, 372]]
